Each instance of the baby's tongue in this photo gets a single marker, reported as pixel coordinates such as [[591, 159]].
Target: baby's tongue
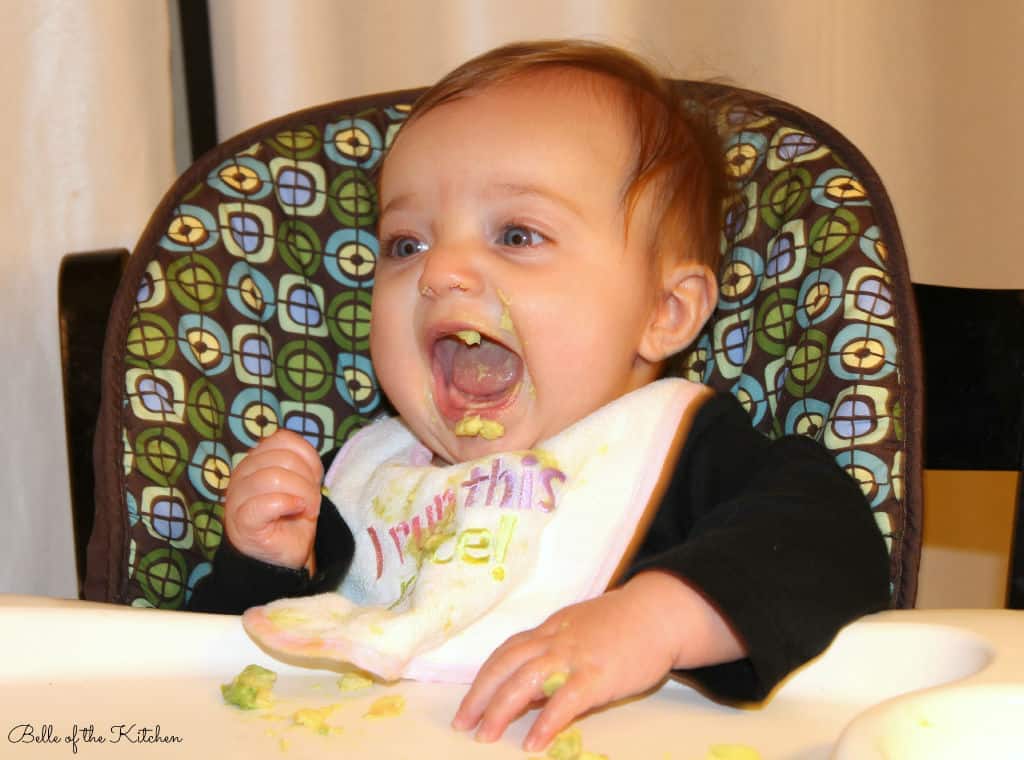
[[484, 370]]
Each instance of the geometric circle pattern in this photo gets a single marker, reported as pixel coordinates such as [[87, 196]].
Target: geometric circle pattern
[[809, 332], [250, 311]]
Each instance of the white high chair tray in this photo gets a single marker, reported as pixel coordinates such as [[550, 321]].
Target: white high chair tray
[[73, 673]]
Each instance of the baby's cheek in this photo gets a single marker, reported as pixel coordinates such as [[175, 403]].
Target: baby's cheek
[[405, 387]]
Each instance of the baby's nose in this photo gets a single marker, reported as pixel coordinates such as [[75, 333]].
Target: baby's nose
[[450, 270]]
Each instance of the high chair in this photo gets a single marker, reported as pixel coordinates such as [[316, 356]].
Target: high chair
[[245, 307]]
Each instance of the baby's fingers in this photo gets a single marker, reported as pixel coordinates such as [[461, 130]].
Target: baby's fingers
[[275, 480], [261, 511], [260, 459], [500, 666], [529, 685], [577, 695], [512, 699], [274, 528], [286, 442]]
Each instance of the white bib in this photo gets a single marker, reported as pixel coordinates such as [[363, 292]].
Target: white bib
[[452, 560]]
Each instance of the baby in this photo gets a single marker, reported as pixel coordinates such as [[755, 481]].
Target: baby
[[549, 231]]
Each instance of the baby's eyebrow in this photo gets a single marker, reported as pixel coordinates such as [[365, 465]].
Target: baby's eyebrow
[[396, 203], [499, 190], [538, 191]]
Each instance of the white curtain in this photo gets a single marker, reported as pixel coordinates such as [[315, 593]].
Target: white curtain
[[87, 135], [929, 90]]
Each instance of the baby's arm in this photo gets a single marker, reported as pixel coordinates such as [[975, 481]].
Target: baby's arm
[[619, 644], [273, 500]]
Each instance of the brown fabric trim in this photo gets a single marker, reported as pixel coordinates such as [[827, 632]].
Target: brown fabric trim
[[107, 555]]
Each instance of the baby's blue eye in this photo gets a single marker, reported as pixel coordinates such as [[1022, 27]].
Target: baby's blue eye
[[405, 246], [518, 236]]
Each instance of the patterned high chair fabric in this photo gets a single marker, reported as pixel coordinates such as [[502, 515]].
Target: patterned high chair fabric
[[245, 307]]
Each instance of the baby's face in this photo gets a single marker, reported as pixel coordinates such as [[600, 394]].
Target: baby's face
[[502, 217]]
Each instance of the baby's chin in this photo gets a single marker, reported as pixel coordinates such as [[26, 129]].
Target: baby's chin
[[453, 448]]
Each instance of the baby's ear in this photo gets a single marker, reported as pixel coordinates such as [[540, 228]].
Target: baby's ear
[[689, 292]]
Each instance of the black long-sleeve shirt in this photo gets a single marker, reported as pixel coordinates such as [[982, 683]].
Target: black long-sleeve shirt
[[771, 532]]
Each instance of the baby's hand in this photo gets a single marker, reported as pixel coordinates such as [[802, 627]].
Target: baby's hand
[[273, 501], [619, 644]]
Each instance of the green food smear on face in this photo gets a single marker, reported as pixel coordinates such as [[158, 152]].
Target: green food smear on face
[[554, 682], [474, 425], [250, 689], [506, 316], [469, 337]]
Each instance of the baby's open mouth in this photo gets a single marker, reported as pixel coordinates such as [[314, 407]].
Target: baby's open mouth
[[473, 372]]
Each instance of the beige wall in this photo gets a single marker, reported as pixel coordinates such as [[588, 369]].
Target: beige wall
[[967, 532]]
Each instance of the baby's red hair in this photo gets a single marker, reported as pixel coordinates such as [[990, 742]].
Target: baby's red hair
[[678, 150]]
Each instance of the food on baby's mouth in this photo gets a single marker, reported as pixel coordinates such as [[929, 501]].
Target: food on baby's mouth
[[354, 681], [475, 368], [568, 745], [732, 752], [474, 425], [469, 337], [390, 706], [554, 682], [250, 689]]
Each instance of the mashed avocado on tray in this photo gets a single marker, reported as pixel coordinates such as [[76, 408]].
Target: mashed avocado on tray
[[388, 706], [568, 745], [315, 719], [353, 681], [250, 689]]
